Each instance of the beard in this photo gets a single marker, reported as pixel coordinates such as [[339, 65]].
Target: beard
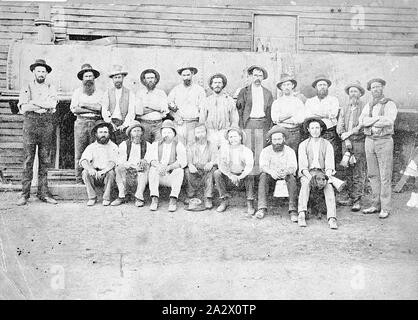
[[103, 140], [217, 89], [150, 85], [136, 140], [187, 82], [40, 80], [257, 82], [118, 85], [322, 93], [354, 101], [278, 147], [88, 87], [200, 139]]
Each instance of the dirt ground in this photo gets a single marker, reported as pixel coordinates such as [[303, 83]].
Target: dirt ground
[[70, 251]]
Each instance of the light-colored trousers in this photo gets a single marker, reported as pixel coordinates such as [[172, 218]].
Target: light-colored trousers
[[123, 182], [379, 157], [172, 180], [329, 198], [185, 131]]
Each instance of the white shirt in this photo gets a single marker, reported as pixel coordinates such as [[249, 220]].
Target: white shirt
[[288, 106], [187, 99], [257, 109], [79, 97], [116, 113], [134, 156], [315, 148], [326, 108], [166, 152]]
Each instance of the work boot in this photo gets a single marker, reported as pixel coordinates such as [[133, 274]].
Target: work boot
[[224, 204], [106, 203], [250, 208], [293, 216], [208, 203], [91, 202], [139, 202], [301, 219], [356, 206], [370, 210], [187, 200], [333, 223], [172, 206], [48, 199], [22, 201], [154, 203], [260, 213], [383, 214], [118, 201], [413, 200]]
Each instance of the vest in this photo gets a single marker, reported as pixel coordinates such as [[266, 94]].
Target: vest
[[173, 153], [129, 148], [123, 102], [322, 152], [356, 115], [379, 132]]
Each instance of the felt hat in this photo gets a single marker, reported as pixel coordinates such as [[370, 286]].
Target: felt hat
[[117, 69], [265, 73], [100, 123], [275, 129], [169, 124], [135, 124], [286, 77], [86, 68], [321, 77], [143, 73], [195, 204], [314, 119], [42, 63], [355, 84], [219, 75], [369, 84], [192, 69]]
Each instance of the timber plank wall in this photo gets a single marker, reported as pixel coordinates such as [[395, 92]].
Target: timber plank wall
[[390, 27]]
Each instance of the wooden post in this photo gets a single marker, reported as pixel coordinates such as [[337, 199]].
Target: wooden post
[[35, 169], [57, 148]]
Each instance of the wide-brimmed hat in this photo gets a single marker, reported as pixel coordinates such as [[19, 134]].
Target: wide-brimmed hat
[[369, 84], [143, 73], [85, 68], [117, 69], [265, 73], [169, 124], [42, 63], [135, 124], [355, 84], [218, 75], [286, 77], [192, 69], [321, 77], [99, 124], [314, 119], [275, 129], [195, 204], [240, 132]]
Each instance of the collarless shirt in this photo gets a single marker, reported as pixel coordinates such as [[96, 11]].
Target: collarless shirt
[[134, 156], [44, 94], [219, 112], [257, 109], [151, 105], [79, 97], [288, 106], [99, 155], [327, 109], [187, 99]]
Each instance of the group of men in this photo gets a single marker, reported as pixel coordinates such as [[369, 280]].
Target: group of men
[[215, 141]]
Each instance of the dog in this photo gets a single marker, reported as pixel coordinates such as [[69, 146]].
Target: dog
[[316, 202]]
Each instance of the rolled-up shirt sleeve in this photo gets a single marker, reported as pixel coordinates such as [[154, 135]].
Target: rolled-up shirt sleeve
[[75, 100], [249, 161], [388, 119]]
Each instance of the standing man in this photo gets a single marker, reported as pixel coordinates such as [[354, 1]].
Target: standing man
[[235, 164], [151, 105], [288, 111], [378, 118], [325, 107], [98, 161], [86, 105], [277, 162], [351, 133], [117, 101], [254, 108], [316, 155], [218, 111], [37, 103], [167, 158], [132, 165], [185, 101], [201, 160]]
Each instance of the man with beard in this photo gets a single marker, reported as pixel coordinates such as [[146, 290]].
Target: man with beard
[[351, 132], [235, 164], [277, 162], [316, 154], [254, 108], [378, 118], [201, 159], [325, 107], [132, 165], [98, 161], [151, 105], [288, 111], [116, 104], [37, 103], [218, 111], [184, 102], [167, 158], [86, 105]]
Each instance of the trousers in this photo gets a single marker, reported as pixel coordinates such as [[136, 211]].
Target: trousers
[[128, 177], [91, 183], [196, 181], [172, 180], [223, 183]]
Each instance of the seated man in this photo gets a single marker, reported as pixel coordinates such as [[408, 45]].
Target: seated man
[[201, 158], [277, 162], [236, 161], [316, 153], [132, 165], [98, 161], [167, 158]]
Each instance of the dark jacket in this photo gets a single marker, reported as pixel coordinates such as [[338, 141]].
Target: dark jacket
[[244, 105]]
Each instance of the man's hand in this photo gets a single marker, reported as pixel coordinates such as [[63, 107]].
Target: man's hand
[[100, 174], [281, 174], [208, 166], [274, 174], [142, 165], [235, 179], [178, 119], [162, 170], [92, 172], [192, 168], [345, 135]]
